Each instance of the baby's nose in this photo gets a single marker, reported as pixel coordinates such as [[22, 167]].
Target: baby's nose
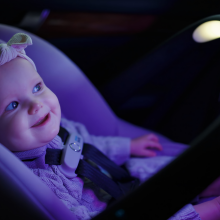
[[34, 108]]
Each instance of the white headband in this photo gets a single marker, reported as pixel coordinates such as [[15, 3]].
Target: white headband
[[15, 48]]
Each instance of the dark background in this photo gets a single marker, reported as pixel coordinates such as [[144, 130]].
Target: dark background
[[107, 38]]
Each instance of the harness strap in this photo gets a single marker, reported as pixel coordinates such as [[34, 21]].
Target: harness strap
[[63, 133], [102, 160], [85, 169], [53, 156], [120, 183]]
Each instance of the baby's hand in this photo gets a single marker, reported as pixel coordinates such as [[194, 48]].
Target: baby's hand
[[142, 146]]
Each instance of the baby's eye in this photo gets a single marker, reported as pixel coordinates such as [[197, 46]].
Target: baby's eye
[[12, 105], [37, 88]]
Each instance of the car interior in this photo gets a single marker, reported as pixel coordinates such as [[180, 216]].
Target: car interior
[[123, 68]]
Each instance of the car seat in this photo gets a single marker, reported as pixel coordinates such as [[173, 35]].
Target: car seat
[[21, 191]]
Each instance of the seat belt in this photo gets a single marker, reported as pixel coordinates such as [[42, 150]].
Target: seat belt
[[74, 160]]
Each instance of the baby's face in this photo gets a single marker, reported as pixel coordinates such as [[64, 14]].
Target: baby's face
[[24, 100]]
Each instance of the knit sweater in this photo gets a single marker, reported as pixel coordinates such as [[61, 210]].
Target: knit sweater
[[81, 196]]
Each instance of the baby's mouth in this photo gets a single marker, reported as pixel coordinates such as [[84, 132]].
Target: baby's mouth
[[41, 121]]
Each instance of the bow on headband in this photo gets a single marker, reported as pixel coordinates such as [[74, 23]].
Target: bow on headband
[[15, 48]]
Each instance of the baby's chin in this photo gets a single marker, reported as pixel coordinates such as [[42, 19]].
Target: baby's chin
[[31, 146], [53, 133], [30, 141], [24, 148]]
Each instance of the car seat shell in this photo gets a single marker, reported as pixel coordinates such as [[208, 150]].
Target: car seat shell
[[80, 101]]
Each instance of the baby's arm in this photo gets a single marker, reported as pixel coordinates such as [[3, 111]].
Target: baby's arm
[[120, 148], [117, 149]]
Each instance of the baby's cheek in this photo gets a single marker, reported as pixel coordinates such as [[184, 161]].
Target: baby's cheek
[[2, 135], [5, 131], [18, 124], [55, 105], [8, 137], [17, 127]]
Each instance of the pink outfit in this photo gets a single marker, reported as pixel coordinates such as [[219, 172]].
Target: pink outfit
[[83, 197]]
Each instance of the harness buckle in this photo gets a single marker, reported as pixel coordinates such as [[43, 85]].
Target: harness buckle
[[72, 153]]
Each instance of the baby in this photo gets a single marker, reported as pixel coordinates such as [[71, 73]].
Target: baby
[[30, 118]]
